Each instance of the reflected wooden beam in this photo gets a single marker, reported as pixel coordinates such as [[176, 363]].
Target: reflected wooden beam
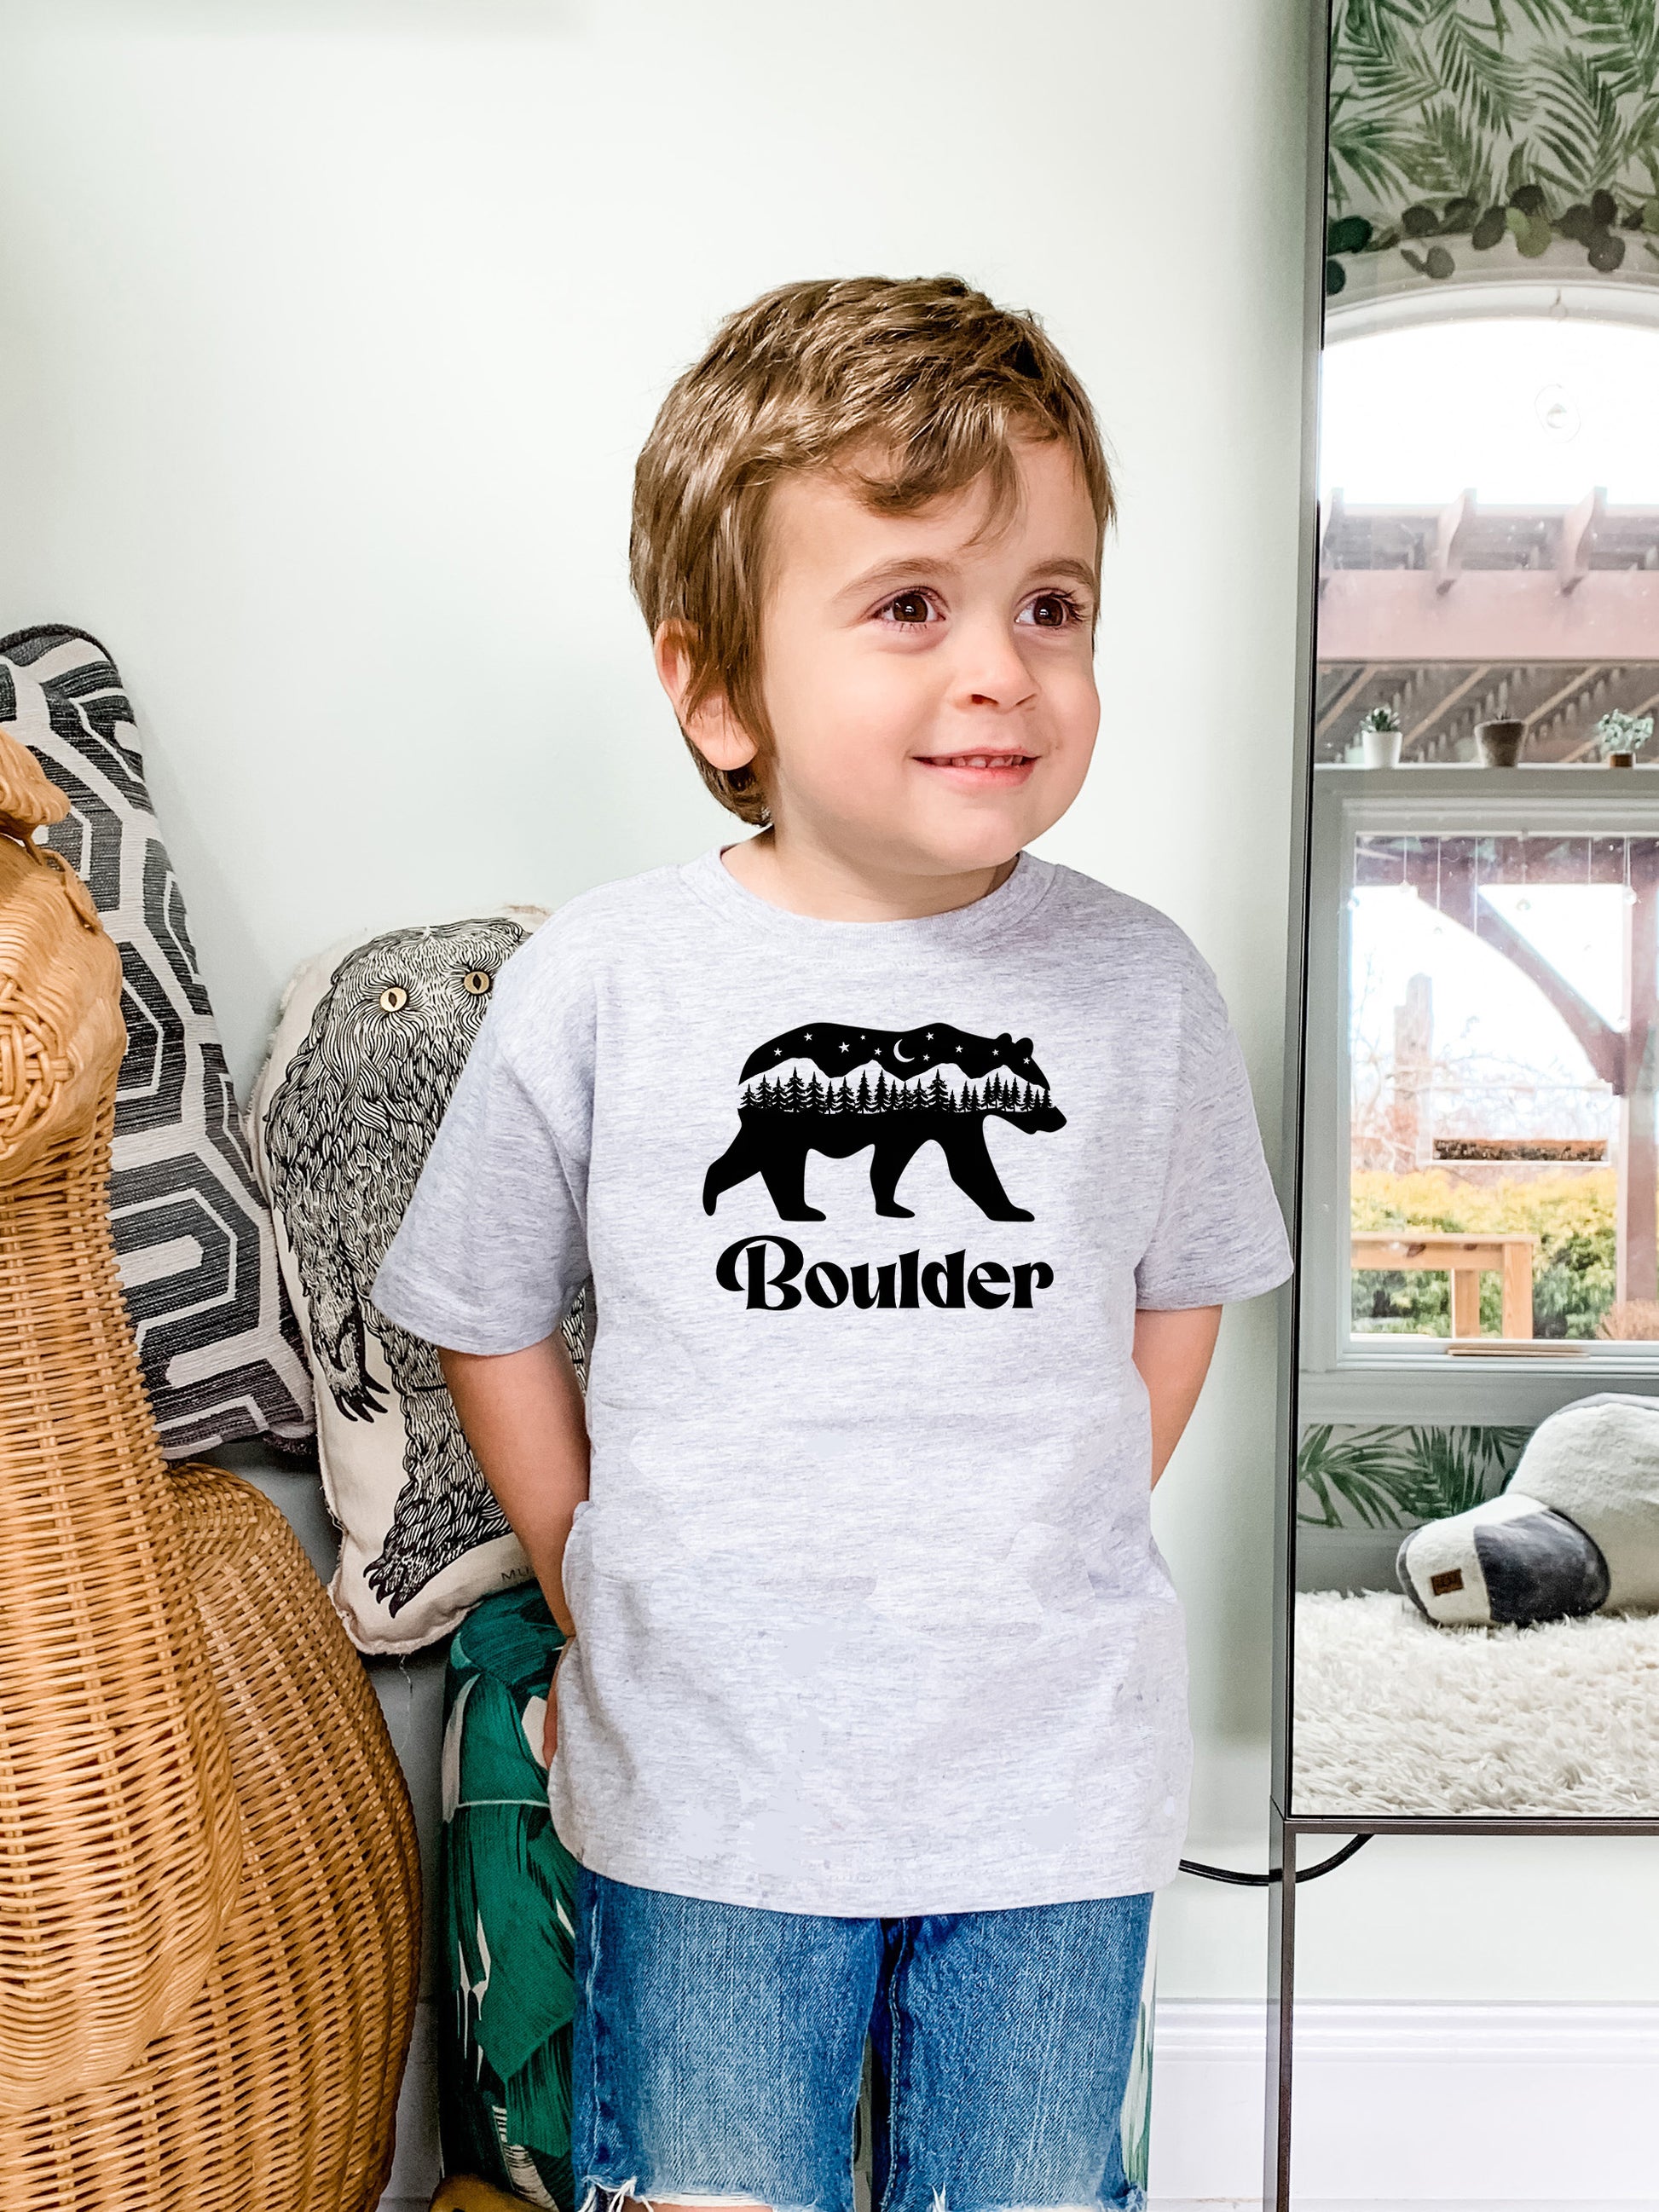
[[1330, 525], [1451, 532], [1495, 614], [1604, 1046], [1577, 539], [1480, 674], [1447, 881], [1344, 700]]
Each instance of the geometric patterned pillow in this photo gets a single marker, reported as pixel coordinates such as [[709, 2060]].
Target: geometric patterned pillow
[[220, 1350]]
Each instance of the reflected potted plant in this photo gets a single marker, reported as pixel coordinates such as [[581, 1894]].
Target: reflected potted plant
[[1380, 738], [1498, 743], [1621, 737]]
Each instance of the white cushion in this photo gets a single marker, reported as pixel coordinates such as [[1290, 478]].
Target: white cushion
[[1597, 1462], [1441, 1567]]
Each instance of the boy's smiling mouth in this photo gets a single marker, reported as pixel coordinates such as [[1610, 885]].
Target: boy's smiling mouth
[[1002, 768]]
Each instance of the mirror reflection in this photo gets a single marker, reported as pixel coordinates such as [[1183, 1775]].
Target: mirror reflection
[[1477, 1617]]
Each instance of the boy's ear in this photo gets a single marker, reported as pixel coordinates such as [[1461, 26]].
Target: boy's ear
[[710, 725]]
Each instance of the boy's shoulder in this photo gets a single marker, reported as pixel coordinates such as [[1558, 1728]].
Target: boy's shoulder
[[1142, 941], [592, 920], [589, 937]]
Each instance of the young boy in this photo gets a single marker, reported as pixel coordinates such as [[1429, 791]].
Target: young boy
[[911, 1174]]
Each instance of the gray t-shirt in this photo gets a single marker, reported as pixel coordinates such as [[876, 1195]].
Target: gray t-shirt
[[871, 1620]]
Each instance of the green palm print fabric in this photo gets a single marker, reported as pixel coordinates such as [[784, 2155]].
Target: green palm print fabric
[[508, 1904]]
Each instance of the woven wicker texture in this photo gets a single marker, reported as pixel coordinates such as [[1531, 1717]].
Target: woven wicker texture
[[27, 801], [278, 2091], [120, 1837]]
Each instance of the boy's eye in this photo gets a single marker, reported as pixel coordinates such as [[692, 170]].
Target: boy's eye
[[909, 608], [1053, 611]]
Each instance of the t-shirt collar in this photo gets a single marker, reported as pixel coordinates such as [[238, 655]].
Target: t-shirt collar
[[708, 879]]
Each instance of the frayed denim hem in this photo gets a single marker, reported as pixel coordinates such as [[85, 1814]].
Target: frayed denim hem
[[618, 2196]]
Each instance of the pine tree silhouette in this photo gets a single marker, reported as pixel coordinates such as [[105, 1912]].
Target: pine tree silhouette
[[848, 1091]]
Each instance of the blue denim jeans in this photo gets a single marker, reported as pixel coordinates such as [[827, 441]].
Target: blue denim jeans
[[719, 2051]]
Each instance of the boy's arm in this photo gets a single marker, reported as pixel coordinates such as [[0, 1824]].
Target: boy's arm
[[1172, 1350], [522, 1413]]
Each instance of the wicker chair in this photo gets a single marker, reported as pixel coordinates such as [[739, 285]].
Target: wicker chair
[[208, 1887]]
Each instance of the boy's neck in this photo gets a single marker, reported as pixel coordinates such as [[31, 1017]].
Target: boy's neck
[[803, 877]]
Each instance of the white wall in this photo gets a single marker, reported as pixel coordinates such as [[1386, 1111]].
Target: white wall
[[331, 327]]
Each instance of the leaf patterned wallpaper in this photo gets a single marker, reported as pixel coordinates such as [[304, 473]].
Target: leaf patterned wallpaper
[[1479, 139], [1395, 1477]]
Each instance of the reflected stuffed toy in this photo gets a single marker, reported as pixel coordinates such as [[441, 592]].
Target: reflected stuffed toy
[[1575, 1531]]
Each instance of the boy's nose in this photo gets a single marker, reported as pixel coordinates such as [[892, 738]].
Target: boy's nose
[[990, 670]]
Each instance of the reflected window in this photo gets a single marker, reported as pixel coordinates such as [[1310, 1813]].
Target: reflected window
[[1501, 1002]]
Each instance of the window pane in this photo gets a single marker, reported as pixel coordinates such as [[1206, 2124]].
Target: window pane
[[1502, 1095]]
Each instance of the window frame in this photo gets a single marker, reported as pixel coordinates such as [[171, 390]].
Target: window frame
[[1344, 1378]]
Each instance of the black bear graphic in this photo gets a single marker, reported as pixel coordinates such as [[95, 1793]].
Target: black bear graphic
[[885, 1089]]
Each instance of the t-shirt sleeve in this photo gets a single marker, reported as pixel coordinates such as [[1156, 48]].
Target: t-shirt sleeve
[[492, 1249], [1220, 1235]]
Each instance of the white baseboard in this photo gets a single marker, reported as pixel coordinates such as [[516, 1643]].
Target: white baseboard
[[1505, 2107], [1494, 2105]]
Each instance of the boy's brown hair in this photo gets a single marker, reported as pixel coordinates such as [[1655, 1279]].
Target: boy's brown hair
[[924, 380]]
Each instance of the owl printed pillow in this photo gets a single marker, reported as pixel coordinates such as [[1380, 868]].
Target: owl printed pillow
[[369, 1044]]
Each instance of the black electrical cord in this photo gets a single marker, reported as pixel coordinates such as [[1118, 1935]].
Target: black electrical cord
[[1267, 1880]]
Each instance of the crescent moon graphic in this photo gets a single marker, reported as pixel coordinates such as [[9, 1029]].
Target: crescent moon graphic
[[899, 1059]]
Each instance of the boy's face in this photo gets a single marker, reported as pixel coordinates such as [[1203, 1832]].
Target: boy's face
[[929, 680]]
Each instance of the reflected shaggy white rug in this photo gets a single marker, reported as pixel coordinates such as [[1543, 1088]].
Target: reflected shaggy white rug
[[1395, 1715]]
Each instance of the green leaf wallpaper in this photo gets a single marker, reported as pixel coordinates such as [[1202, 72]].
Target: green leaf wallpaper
[[1476, 137], [1394, 1477]]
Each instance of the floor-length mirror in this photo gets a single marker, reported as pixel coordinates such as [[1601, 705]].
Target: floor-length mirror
[[1476, 1615], [1468, 1724]]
